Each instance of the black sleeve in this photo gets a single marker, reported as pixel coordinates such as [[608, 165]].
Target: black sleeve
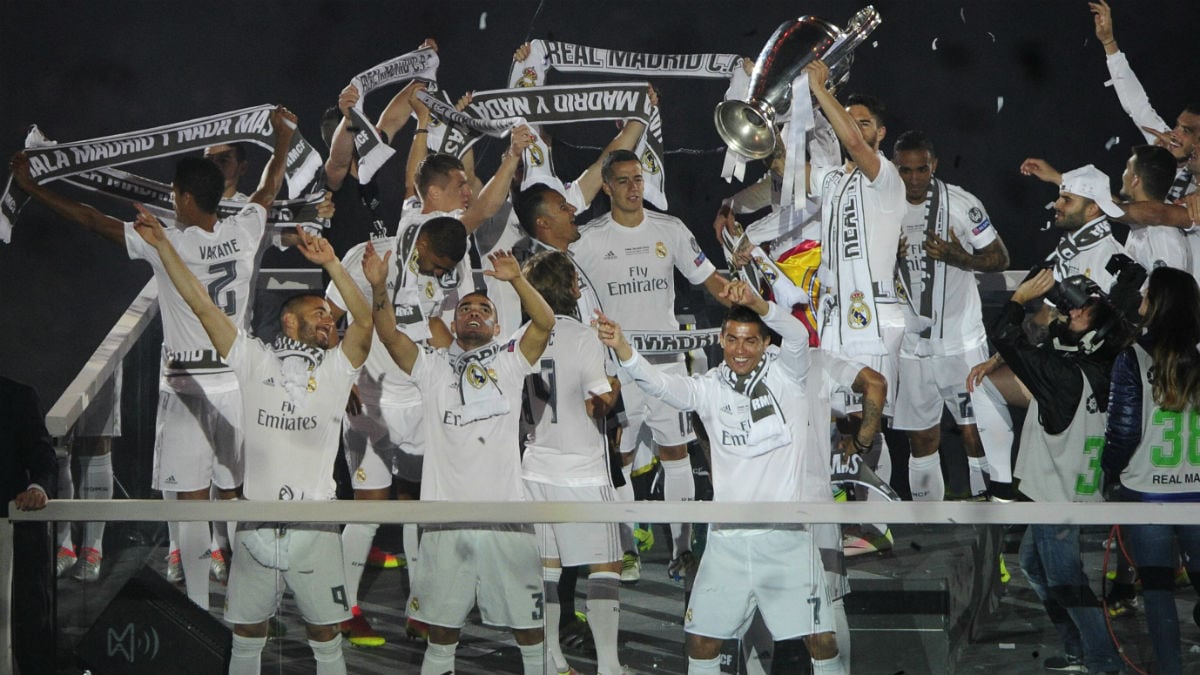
[[37, 452], [1123, 432], [1053, 378]]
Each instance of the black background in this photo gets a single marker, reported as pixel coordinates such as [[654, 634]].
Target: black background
[[82, 69]]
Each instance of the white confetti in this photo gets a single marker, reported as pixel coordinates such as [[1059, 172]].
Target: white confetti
[[1112, 142], [999, 103], [483, 21], [989, 33], [1008, 645], [962, 14], [875, 44], [935, 44]]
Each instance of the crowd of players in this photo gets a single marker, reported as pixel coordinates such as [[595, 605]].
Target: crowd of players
[[485, 358]]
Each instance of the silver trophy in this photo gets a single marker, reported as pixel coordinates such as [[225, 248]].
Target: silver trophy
[[749, 127]]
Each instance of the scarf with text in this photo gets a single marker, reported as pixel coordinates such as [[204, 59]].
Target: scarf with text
[[406, 296], [419, 64], [758, 417], [506, 108], [921, 281], [1180, 186], [298, 362], [849, 316], [672, 341], [477, 386], [251, 125]]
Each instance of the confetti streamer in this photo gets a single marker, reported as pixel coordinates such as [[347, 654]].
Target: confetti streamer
[[935, 44], [999, 103], [483, 21]]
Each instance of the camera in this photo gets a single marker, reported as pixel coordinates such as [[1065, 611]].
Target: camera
[[1073, 293]]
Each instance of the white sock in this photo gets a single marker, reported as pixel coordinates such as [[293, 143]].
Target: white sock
[[172, 528], [220, 529], [625, 494], [832, 666], [245, 658], [604, 613], [704, 666], [883, 469], [193, 552], [842, 625], [66, 490], [679, 486], [977, 467], [356, 544], [328, 656], [439, 659], [533, 658], [95, 482], [925, 478], [412, 543], [553, 612], [994, 421]]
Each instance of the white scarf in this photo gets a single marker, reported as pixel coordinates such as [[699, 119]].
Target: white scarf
[[298, 362], [419, 64], [478, 388], [925, 293], [850, 318]]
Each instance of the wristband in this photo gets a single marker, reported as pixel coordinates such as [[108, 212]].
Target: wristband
[[858, 446], [420, 131]]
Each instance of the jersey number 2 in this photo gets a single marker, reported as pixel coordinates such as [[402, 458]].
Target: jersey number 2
[[228, 272]]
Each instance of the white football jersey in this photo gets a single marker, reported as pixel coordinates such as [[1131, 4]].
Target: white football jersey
[[945, 294], [454, 285], [567, 447], [471, 461], [1154, 246], [1087, 251], [225, 262], [292, 414], [631, 267]]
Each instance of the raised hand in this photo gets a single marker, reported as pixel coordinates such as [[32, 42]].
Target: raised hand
[[609, 332], [522, 52], [1102, 18], [19, 167], [1040, 169], [283, 121], [347, 100], [374, 267], [149, 227], [739, 292], [1034, 287], [504, 266], [818, 75], [315, 248]]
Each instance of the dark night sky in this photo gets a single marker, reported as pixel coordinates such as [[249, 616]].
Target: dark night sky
[[1007, 80]]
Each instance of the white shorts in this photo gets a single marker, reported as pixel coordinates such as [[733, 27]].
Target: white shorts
[[383, 442], [576, 543], [776, 571], [845, 401], [498, 570], [102, 417], [828, 538], [315, 574], [926, 383], [668, 426], [198, 441]]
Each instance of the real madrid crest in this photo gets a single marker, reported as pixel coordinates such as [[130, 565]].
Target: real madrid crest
[[536, 156], [412, 263], [429, 289], [476, 375], [859, 315], [766, 270], [649, 162], [360, 475], [528, 78], [660, 250]]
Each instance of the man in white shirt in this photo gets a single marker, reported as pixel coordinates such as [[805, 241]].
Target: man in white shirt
[[1147, 178], [862, 203], [947, 237], [198, 442], [755, 410], [566, 459], [630, 255], [293, 401], [472, 405]]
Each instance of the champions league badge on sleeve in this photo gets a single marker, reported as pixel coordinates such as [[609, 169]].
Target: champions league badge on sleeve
[[859, 316]]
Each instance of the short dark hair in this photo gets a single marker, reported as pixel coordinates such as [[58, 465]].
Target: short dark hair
[[528, 206], [615, 157], [743, 314], [447, 237], [913, 140], [292, 304], [551, 273], [871, 103], [1193, 108], [436, 168], [201, 179], [329, 123], [1155, 166]]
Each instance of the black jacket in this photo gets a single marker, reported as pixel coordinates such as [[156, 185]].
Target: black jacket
[[28, 456]]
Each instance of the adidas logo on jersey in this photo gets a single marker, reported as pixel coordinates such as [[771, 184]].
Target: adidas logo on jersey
[[610, 256], [171, 480], [270, 382]]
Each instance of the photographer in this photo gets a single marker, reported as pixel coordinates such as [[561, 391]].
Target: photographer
[[1067, 377]]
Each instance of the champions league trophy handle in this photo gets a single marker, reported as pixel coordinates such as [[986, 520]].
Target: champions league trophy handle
[[748, 127]]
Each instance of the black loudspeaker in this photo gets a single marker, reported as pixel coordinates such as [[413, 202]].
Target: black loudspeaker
[[151, 628]]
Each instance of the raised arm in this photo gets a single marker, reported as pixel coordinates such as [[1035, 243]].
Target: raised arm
[[284, 123], [319, 251], [341, 148], [419, 148], [678, 391], [492, 196], [221, 330], [401, 347], [590, 180], [533, 342], [88, 216], [843, 124], [1130, 91], [1041, 169], [1156, 213]]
